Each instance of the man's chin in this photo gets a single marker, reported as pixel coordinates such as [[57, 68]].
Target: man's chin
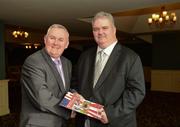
[[101, 44], [55, 55]]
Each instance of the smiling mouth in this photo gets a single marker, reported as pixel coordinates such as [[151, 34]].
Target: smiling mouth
[[54, 47], [100, 37]]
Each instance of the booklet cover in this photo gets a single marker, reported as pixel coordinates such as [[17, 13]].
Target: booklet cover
[[85, 107]]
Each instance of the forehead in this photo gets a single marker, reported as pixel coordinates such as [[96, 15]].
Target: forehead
[[58, 32], [102, 21]]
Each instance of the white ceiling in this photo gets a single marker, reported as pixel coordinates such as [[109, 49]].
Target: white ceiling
[[74, 14]]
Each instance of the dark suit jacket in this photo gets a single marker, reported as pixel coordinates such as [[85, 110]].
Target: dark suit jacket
[[120, 88], [42, 90]]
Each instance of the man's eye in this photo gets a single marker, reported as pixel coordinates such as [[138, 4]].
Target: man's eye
[[95, 29], [105, 28], [60, 39], [52, 38]]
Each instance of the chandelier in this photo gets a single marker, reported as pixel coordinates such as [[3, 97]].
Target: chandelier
[[20, 33], [162, 19]]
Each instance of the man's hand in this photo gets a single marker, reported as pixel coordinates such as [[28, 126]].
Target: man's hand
[[73, 114], [79, 97], [104, 118]]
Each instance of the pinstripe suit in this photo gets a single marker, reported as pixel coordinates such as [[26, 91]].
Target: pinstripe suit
[[42, 90]]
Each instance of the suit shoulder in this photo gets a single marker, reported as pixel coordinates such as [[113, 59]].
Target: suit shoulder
[[65, 59], [129, 51], [88, 52], [128, 54], [35, 58]]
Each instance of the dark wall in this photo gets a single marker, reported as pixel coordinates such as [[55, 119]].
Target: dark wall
[[166, 51], [2, 52], [16, 54]]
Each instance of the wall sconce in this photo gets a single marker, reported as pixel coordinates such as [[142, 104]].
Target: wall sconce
[[36, 46], [32, 46], [28, 46]]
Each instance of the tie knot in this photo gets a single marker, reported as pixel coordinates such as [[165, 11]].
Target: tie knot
[[57, 62], [101, 54]]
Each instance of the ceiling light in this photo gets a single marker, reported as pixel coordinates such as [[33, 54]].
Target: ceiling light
[[162, 19], [20, 33]]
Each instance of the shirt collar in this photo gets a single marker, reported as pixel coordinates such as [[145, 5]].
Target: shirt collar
[[54, 59]]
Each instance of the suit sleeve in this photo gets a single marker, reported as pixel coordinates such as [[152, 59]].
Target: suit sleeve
[[33, 80], [132, 95]]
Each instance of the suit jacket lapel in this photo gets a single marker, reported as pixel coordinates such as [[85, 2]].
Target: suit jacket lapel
[[91, 65], [112, 59], [53, 68], [66, 76]]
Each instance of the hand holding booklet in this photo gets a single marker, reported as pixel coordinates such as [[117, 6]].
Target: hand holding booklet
[[73, 102]]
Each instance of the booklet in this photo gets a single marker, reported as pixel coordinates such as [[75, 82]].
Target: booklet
[[71, 101]]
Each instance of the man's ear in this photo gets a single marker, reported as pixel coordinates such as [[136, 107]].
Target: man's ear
[[115, 30], [67, 45], [45, 36]]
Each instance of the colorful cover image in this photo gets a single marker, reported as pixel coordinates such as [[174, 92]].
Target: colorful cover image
[[71, 101]]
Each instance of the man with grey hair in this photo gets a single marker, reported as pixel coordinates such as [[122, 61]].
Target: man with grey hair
[[45, 79], [111, 75]]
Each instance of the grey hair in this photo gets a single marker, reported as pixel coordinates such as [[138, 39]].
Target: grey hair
[[57, 26], [103, 14]]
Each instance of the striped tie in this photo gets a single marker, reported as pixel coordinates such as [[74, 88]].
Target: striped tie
[[60, 69], [98, 66]]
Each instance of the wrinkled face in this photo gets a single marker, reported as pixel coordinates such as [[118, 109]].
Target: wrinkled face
[[104, 32], [56, 41]]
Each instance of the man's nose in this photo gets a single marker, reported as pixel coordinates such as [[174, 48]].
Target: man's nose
[[100, 31], [56, 41]]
